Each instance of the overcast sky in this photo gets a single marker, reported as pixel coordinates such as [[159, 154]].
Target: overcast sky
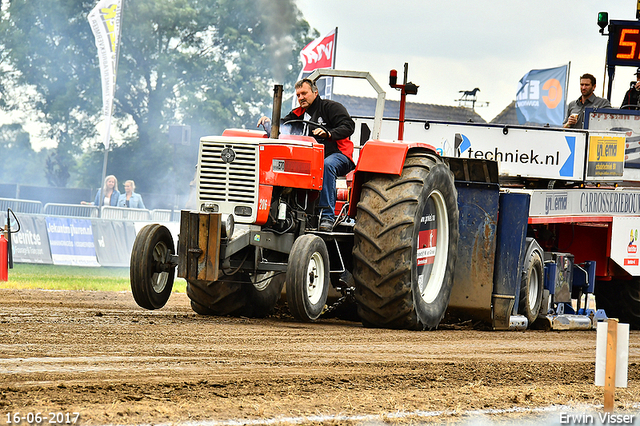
[[458, 45]]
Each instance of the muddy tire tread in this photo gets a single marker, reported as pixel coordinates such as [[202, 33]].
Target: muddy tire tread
[[384, 243]]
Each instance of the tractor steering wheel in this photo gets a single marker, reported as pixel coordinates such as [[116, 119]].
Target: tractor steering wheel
[[318, 138]]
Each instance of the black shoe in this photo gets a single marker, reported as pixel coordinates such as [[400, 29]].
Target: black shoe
[[326, 224]]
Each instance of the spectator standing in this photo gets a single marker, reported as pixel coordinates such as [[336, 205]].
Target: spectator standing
[[130, 198], [632, 96], [587, 99], [110, 191]]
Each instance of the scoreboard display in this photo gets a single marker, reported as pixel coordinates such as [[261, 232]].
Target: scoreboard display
[[623, 48]]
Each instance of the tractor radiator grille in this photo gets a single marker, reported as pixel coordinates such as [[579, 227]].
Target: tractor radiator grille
[[233, 182]]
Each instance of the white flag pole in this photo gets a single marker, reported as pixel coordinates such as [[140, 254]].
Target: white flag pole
[[333, 62], [105, 19], [566, 91], [106, 157]]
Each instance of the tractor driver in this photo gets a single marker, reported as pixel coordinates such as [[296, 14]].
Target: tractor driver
[[338, 149]]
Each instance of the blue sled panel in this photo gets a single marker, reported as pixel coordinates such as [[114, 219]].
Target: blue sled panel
[[473, 278], [512, 232]]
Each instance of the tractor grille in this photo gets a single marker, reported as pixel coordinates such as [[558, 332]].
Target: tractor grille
[[234, 182]]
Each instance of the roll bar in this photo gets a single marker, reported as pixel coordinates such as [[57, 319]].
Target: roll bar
[[377, 120]]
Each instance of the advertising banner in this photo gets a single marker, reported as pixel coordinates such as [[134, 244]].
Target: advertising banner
[[624, 243], [520, 151], [71, 241], [31, 244], [541, 96], [627, 121], [114, 241], [585, 202], [105, 19], [76, 242], [606, 156]]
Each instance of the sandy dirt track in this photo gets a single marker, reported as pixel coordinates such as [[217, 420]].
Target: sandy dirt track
[[98, 354]]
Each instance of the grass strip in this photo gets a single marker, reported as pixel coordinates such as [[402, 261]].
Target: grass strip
[[61, 277]]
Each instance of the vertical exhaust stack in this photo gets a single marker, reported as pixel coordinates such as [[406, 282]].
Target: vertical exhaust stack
[[277, 107]]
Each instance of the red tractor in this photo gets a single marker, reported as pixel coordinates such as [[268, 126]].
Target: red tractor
[[255, 230]]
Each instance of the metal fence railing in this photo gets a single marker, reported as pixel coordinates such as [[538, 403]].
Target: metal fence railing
[[161, 215], [73, 210], [165, 215], [20, 206], [125, 213], [90, 211]]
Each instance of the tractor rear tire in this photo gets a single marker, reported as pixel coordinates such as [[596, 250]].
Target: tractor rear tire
[[237, 295], [264, 291], [151, 276], [308, 278], [200, 310], [405, 245], [219, 298]]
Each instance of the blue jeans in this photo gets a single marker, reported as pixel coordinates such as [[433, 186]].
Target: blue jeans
[[337, 164]]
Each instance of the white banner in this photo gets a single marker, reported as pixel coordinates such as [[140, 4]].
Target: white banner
[[585, 202], [519, 151], [105, 19], [624, 244]]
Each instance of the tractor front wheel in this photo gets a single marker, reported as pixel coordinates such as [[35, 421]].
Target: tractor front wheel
[[307, 277], [151, 272]]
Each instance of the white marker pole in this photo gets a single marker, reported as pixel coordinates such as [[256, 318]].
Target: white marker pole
[[612, 358]]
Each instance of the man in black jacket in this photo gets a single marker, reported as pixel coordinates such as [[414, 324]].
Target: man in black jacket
[[338, 149], [630, 100]]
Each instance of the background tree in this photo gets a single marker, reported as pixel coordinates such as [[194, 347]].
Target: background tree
[[50, 68], [20, 163], [209, 64]]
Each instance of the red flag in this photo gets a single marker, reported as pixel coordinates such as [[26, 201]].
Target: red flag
[[320, 53]]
